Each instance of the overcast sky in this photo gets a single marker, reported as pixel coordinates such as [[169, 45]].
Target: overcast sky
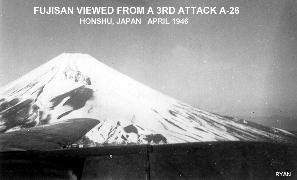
[[237, 65]]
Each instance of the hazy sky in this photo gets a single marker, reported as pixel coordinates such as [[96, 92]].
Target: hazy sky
[[232, 65]]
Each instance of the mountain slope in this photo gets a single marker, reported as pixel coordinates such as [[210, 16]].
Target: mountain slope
[[78, 86]]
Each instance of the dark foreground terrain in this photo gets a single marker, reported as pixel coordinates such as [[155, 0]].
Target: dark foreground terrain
[[213, 160]]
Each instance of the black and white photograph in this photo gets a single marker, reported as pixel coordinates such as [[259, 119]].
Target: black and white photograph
[[148, 89]]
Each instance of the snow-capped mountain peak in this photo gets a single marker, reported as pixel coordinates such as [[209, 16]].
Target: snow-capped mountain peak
[[79, 86]]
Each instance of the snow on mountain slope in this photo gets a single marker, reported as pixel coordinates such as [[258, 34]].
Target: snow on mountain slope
[[79, 86]]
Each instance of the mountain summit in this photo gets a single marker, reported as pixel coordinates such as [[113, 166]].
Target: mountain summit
[[77, 86]]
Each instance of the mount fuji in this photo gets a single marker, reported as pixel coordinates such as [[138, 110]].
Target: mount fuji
[[122, 110]]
